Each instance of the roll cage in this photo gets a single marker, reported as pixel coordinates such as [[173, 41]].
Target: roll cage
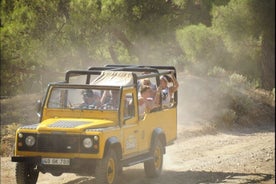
[[139, 72]]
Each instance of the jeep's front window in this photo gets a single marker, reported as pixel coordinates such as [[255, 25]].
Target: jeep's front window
[[76, 98], [56, 99]]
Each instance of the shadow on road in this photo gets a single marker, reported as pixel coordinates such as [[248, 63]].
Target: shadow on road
[[137, 176]]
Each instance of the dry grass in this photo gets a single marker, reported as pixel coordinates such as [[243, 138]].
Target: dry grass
[[16, 111], [19, 109], [224, 102]]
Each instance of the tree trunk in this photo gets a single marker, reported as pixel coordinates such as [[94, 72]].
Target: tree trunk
[[113, 55], [268, 63], [119, 35]]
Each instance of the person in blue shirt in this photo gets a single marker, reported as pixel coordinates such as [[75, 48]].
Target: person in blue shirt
[[90, 100]]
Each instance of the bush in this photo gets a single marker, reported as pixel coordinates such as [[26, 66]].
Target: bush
[[10, 129], [7, 138], [217, 72], [238, 80], [226, 118]]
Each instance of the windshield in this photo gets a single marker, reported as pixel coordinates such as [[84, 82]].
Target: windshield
[[83, 98]]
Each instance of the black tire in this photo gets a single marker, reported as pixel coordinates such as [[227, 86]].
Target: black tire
[[26, 173], [153, 168], [120, 169], [107, 169]]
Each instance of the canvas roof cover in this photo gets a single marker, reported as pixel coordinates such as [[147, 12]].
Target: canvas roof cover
[[114, 78]]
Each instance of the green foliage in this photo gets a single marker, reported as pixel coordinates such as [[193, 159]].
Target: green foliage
[[264, 18], [202, 45], [235, 24], [237, 80], [217, 72], [40, 39], [244, 27], [24, 25]]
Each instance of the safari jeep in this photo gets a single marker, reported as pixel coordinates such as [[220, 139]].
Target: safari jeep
[[96, 140]]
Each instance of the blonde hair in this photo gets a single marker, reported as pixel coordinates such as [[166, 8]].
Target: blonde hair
[[146, 80], [144, 88]]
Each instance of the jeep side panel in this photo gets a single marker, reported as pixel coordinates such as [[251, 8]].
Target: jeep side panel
[[164, 120]]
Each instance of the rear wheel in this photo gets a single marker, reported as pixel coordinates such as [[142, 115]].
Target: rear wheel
[[153, 168], [26, 173], [107, 169]]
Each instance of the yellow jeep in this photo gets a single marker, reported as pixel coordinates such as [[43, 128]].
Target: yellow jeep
[[97, 139]]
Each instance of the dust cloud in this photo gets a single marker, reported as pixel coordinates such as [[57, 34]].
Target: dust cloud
[[196, 101]]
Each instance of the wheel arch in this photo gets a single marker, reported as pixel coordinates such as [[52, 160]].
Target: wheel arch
[[113, 143]]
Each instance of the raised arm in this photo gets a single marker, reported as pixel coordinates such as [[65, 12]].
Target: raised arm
[[175, 84]]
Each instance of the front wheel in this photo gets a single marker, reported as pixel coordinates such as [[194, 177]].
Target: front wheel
[[26, 173], [107, 169], [153, 167]]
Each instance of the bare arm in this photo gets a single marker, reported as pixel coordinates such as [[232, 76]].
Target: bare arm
[[175, 84], [104, 96], [157, 96]]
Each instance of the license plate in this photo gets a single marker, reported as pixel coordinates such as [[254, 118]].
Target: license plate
[[55, 161]]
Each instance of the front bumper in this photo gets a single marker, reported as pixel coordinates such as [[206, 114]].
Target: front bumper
[[34, 160], [77, 165]]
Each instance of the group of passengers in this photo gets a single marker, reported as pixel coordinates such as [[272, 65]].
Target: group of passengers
[[149, 97]]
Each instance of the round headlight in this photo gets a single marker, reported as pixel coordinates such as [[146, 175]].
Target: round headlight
[[30, 140], [87, 142]]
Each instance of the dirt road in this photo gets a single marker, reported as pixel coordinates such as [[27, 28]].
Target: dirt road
[[244, 156]]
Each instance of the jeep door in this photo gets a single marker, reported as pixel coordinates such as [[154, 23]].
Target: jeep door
[[130, 128]]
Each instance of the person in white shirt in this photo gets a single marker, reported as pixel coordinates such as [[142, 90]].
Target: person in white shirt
[[165, 90], [147, 82], [145, 101]]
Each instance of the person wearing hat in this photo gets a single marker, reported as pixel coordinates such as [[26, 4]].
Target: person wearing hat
[[166, 91], [90, 99]]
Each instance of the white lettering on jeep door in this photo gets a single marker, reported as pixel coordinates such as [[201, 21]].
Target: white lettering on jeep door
[[131, 142]]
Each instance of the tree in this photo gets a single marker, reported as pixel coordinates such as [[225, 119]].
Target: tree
[[248, 29], [26, 28], [264, 27], [203, 47], [40, 37]]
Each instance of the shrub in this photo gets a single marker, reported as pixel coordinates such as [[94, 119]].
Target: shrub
[[238, 80], [10, 129], [7, 139], [226, 118], [217, 72]]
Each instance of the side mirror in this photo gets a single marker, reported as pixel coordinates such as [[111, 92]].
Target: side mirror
[[38, 108]]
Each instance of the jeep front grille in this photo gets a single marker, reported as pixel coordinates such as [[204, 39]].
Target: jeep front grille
[[59, 143]]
